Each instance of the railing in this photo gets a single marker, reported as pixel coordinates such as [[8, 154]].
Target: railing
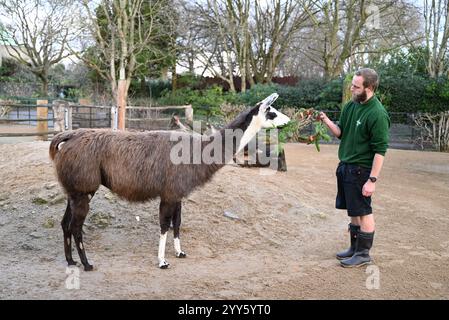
[[43, 119], [404, 134], [33, 119], [156, 118]]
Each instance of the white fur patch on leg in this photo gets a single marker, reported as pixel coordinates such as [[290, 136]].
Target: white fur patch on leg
[[179, 252], [177, 246], [161, 254]]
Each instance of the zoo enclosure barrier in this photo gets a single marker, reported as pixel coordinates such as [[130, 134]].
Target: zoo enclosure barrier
[[43, 119], [404, 133]]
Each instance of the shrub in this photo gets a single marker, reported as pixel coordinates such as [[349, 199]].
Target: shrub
[[307, 94], [157, 87], [204, 102]]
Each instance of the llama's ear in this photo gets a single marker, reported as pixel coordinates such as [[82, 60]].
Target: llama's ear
[[255, 110], [268, 101]]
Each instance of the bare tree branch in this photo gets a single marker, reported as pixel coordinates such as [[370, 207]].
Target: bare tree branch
[[38, 32]]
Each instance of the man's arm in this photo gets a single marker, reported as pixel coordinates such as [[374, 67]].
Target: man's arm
[[369, 187], [336, 131]]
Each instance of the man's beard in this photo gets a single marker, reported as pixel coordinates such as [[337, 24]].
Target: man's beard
[[359, 98]]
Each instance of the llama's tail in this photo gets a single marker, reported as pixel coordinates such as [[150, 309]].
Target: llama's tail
[[57, 140]]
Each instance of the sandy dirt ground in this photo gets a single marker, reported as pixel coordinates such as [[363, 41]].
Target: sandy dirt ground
[[282, 245]]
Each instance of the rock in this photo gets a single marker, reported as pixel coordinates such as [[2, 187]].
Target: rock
[[26, 246], [36, 235], [102, 223], [49, 186], [50, 195], [231, 215], [109, 196], [60, 198]]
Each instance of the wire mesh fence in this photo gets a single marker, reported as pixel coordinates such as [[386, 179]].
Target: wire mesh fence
[[404, 134]]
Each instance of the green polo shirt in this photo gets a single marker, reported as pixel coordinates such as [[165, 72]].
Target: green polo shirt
[[364, 132]]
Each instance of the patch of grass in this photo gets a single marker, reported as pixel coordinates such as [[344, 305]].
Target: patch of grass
[[49, 223], [100, 219], [39, 201]]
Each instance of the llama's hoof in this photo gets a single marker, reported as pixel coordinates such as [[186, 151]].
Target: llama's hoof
[[88, 267], [181, 254], [163, 264]]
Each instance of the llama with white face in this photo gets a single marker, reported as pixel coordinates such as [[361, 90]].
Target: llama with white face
[[137, 167]]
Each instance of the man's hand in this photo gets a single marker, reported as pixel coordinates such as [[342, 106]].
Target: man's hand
[[368, 188], [323, 117], [332, 126]]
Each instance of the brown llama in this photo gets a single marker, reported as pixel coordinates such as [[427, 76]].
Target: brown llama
[[138, 166]]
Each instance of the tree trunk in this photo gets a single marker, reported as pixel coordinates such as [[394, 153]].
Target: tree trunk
[[347, 95], [243, 80], [44, 83], [249, 75], [143, 86], [164, 73], [191, 61], [231, 83], [121, 103], [174, 79], [45, 88]]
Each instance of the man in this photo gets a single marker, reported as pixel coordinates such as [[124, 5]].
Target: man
[[363, 130]]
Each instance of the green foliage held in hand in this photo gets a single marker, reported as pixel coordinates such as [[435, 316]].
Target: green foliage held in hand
[[301, 120]]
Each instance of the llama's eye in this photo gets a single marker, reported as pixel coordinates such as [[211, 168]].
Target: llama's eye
[[271, 115]]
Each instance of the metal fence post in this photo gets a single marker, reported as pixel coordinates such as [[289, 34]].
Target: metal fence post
[[189, 113], [68, 117], [114, 118]]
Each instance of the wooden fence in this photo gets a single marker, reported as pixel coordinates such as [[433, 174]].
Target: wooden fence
[[44, 120]]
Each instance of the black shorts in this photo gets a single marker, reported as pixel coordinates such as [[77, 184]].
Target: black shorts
[[350, 181]]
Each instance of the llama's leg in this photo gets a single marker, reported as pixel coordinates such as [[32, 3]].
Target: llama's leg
[[79, 205], [166, 210], [176, 224], [65, 223]]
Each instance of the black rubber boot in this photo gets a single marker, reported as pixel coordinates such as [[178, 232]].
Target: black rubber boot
[[361, 256], [353, 230]]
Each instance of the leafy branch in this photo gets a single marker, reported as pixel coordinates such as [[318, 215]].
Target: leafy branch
[[301, 120]]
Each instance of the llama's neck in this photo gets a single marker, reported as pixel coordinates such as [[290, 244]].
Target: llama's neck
[[220, 148], [249, 133], [243, 128]]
